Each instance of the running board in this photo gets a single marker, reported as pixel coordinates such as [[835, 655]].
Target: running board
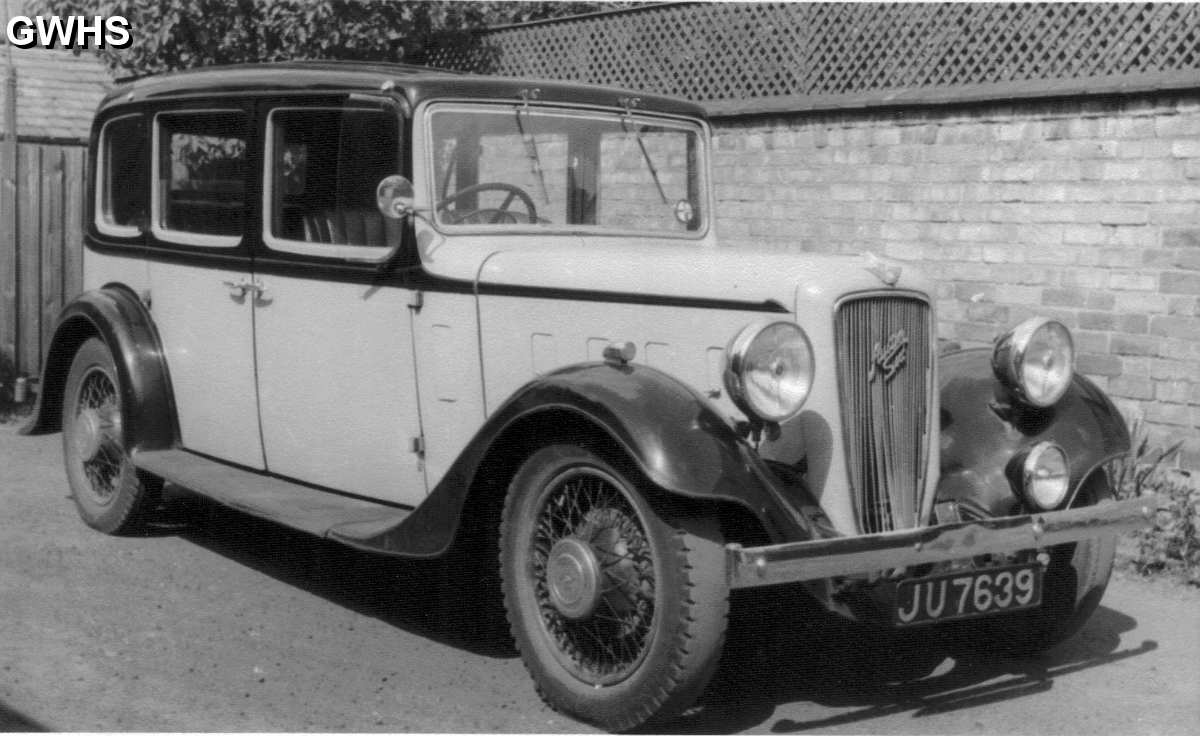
[[352, 521]]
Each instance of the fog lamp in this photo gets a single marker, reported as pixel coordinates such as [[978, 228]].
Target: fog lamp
[[1045, 476]]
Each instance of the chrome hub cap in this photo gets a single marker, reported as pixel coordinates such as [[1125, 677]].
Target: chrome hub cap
[[573, 579], [593, 577], [96, 435], [87, 435]]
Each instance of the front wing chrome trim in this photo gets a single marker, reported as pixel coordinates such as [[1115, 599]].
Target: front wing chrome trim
[[826, 558]]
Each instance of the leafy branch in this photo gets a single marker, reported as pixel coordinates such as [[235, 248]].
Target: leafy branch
[[169, 35]]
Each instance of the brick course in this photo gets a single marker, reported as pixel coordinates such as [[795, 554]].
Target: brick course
[[1084, 210]]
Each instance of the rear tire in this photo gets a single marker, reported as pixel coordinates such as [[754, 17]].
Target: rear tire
[[110, 493], [617, 606]]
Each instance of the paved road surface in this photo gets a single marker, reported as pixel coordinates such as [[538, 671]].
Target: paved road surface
[[223, 623]]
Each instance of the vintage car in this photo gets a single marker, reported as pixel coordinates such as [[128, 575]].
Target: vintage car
[[397, 307]]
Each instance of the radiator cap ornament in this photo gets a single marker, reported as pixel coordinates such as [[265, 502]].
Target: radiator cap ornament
[[888, 273]]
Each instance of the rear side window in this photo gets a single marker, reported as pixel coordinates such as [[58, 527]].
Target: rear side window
[[324, 164], [121, 176], [200, 177]]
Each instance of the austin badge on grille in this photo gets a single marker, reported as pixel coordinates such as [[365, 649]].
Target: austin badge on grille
[[888, 357]]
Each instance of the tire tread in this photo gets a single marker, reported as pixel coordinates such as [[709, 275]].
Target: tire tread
[[137, 492], [703, 608]]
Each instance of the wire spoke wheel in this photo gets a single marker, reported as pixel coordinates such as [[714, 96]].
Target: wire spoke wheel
[[96, 432], [110, 494], [618, 609], [606, 644]]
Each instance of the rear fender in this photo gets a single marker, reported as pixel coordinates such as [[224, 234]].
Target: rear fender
[[673, 436], [981, 432], [115, 315]]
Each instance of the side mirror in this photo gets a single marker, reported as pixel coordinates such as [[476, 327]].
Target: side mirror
[[395, 198]]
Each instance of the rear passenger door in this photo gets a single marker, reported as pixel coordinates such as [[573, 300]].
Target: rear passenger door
[[199, 265], [334, 349]]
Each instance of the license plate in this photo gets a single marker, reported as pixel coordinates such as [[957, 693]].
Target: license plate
[[969, 594]]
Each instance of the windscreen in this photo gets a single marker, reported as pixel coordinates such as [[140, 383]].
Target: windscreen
[[517, 165]]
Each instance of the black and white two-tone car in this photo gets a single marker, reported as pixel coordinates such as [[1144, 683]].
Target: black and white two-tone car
[[394, 307]]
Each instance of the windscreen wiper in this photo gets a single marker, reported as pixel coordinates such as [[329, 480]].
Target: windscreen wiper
[[531, 150], [626, 124]]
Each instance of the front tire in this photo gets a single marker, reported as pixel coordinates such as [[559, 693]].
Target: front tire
[[1073, 584], [110, 493], [618, 608]]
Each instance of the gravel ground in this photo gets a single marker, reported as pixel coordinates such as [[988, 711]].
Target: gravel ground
[[219, 622]]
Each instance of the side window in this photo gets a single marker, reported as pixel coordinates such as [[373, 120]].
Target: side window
[[324, 165], [200, 177], [121, 172]]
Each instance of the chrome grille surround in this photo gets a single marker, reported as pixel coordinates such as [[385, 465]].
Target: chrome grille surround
[[885, 376]]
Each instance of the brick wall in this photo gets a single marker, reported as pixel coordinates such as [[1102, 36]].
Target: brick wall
[[1086, 210]]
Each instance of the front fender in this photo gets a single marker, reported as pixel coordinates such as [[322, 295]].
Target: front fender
[[115, 315], [980, 434], [673, 435]]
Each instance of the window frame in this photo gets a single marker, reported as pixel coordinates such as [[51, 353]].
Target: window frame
[[102, 181], [425, 112], [188, 237], [344, 251]]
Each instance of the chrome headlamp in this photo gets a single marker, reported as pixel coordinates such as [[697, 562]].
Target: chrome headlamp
[[1043, 475], [769, 370], [1035, 361]]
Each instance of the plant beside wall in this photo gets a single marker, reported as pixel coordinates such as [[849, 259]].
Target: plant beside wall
[[1172, 545]]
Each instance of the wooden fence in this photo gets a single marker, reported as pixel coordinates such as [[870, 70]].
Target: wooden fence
[[41, 252]]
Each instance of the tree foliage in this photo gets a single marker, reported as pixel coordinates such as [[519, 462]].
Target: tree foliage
[[179, 34]]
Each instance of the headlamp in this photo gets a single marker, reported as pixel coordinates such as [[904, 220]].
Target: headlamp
[[769, 370], [1035, 361]]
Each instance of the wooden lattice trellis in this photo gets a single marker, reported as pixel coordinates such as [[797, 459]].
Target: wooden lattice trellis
[[731, 54]]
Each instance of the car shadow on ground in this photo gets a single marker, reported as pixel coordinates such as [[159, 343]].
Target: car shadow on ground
[[11, 720], [872, 674], [412, 595], [815, 657]]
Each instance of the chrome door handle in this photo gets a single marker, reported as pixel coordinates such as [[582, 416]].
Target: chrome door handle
[[238, 290], [260, 292]]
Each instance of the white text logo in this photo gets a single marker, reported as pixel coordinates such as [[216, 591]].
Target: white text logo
[[72, 31]]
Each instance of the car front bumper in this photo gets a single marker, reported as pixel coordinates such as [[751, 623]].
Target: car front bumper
[[845, 556]]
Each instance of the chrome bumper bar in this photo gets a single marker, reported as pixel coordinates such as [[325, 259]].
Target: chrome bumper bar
[[826, 558]]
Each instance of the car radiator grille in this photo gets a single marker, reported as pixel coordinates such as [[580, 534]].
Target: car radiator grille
[[884, 375]]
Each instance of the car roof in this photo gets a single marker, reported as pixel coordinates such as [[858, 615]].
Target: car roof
[[418, 83]]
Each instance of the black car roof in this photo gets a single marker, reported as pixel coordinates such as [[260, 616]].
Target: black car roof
[[418, 83]]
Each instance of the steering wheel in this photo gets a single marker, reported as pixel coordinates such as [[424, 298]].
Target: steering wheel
[[491, 215]]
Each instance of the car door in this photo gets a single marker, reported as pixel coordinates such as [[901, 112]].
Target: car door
[[333, 337], [199, 273]]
